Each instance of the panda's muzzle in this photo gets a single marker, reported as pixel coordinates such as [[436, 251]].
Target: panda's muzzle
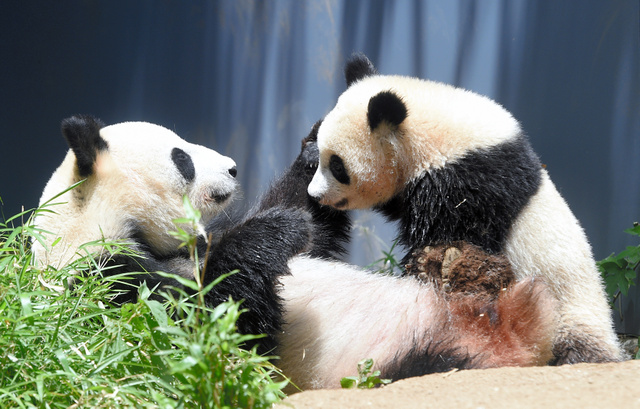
[[220, 198], [223, 197]]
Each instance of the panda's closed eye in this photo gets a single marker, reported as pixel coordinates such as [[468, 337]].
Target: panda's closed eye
[[184, 164], [336, 166]]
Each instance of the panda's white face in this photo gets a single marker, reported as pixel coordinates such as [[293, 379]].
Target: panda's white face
[[350, 177], [136, 177], [388, 130], [161, 167]]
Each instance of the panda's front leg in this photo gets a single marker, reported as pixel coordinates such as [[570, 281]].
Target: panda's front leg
[[290, 189], [140, 266], [259, 248], [332, 227]]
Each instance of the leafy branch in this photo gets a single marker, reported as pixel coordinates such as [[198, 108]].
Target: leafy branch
[[619, 271]]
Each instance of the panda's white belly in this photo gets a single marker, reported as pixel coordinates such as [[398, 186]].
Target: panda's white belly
[[337, 315]]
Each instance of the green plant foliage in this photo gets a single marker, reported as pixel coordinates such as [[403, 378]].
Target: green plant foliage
[[366, 379], [619, 271], [64, 346], [388, 264]]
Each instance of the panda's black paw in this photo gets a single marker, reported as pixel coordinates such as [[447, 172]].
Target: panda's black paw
[[313, 134], [309, 154]]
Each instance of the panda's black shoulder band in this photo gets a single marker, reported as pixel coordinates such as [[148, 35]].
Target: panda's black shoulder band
[[476, 198], [82, 133]]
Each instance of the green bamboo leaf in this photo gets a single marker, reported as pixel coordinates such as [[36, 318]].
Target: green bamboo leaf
[[348, 382], [111, 359]]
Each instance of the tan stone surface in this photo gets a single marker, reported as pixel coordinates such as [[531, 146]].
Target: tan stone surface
[[572, 386]]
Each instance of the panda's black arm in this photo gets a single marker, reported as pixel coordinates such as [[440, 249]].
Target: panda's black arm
[[142, 268], [332, 227], [259, 249]]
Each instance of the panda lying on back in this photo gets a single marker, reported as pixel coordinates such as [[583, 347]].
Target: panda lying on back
[[321, 316], [451, 165]]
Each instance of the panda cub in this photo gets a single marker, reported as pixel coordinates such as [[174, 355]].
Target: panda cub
[[450, 165], [320, 316]]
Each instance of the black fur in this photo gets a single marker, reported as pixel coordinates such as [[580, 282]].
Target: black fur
[[82, 133], [144, 261], [259, 248], [475, 199], [285, 223], [437, 357], [184, 164], [142, 268], [580, 346], [358, 67], [388, 107], [332, 227]]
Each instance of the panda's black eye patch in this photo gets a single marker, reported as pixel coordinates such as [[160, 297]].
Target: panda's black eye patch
[[336, 166], [184, 164]]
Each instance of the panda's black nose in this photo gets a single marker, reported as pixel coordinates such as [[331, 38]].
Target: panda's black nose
[[233, 171]]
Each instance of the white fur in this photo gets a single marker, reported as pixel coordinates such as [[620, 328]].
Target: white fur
[[547, 240], [337, 315], [442, 124], [135, 179]]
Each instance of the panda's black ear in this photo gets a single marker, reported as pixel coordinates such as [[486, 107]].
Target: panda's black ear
[[82, 133], [388, 107], [358, 67]]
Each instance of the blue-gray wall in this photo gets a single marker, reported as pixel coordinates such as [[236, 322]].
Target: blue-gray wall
[[249, 78]]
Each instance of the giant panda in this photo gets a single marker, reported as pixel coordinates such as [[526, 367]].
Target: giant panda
[[448, 164], [133, 177], [320, 316]]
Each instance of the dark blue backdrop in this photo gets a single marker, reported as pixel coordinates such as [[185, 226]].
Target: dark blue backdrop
[[249, 78]]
